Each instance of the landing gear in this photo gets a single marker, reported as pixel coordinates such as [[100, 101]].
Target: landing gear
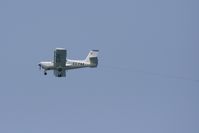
[[45, 73], [59, 75]]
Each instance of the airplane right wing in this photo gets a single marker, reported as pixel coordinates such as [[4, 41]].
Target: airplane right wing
[[58, 73]]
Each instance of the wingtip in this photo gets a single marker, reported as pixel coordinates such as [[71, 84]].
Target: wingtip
[[60, 49], [95, 50]]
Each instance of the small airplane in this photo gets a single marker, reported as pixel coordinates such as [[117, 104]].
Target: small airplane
[[60, 64]]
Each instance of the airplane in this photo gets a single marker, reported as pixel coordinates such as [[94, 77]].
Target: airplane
[[60, 64]]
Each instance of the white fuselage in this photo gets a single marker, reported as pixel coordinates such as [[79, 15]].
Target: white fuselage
[[70, 64], [60, 64]]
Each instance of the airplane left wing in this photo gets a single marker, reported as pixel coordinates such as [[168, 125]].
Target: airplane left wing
[[60, 62], [60, 57]]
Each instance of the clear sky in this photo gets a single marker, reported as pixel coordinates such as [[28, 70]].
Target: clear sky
[[147, 80]]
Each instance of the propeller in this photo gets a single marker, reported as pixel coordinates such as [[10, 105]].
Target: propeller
[[39, 66]]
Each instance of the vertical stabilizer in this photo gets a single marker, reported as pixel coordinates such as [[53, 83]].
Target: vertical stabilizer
[[92, 58]]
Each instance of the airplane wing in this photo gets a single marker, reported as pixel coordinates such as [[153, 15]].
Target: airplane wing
[[60, 57], [60, 73], [60, 62]]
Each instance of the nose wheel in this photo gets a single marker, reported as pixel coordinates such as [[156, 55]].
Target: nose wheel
[[45, 73]]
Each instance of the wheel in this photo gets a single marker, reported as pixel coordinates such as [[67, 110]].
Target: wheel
[[59, 75], [45, 73]]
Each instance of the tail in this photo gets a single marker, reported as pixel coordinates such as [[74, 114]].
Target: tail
[[92, 58]]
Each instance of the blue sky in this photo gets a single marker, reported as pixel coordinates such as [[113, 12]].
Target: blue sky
[[146, 81]]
